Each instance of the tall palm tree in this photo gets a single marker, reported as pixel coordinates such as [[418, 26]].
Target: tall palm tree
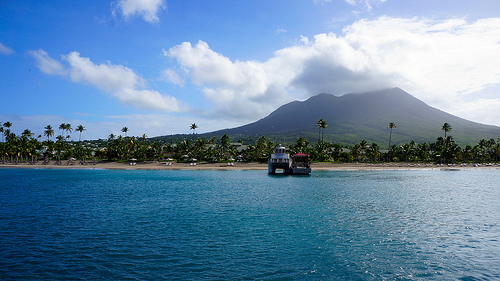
[[318, 124], [62, 127], [322, 125], [193, 127], [2, 131], [392, 125], [80, 128], [125, 130], [446, 128], [7, 131], [68, 129], [49, 132]]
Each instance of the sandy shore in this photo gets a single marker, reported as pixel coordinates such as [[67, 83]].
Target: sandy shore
[[245, 166]]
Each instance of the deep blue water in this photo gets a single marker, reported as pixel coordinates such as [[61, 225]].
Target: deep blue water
[[247, 225]]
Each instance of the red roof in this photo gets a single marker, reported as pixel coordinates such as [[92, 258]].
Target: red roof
[[301, 155]]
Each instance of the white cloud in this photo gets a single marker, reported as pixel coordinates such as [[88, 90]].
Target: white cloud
[[47, 64], [440, 62], [436, 60], [4, 50], [107, 77], [148, 9], [171, 76], [118, 80], [482, 110], [237, 89], [147, 99]]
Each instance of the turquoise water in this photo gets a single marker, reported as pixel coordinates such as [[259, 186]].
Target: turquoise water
[[247, 225]]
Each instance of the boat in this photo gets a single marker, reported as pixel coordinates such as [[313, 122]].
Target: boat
[[281, 161], [301, 164]]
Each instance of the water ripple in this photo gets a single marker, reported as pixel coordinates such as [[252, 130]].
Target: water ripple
[[245, 225]]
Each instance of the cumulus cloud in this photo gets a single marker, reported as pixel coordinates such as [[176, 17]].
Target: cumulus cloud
[[171, 76], [439, 61], [147, 9], [118, 80], [237, 89], [47, 64], [147, 99], [434, 59], [107, 77], [4, 50]]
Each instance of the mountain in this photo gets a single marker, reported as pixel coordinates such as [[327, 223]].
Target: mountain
[[354, 117]]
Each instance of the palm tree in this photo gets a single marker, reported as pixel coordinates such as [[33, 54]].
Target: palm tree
[[62, 127], [322, 125], [318, 124], [27, 133], [80, 128], [49, 132], [446, 128], [68, 130], [392, 125], [193, 127], [144, 136], [362, 148], [7, 124], [125, 130]]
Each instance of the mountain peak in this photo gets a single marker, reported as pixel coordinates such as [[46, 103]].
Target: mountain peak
[[357, 116]]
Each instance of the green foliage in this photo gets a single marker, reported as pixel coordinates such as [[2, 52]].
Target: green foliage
[[25, 148]]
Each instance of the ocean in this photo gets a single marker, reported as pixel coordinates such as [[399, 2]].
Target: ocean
[[247, 225]]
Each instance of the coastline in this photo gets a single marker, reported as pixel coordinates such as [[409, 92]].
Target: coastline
[[321, 166]]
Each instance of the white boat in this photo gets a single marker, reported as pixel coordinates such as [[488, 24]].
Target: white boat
[[280, 160]]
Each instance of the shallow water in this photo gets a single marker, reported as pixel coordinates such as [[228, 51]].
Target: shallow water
[[247, 225]]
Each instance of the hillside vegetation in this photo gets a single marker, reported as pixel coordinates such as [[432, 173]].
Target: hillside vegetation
[[352, 118]]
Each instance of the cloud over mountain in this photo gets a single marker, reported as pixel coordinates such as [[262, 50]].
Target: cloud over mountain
[[440, 61]]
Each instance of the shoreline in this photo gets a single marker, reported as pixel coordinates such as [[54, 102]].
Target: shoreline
[[320, 166]]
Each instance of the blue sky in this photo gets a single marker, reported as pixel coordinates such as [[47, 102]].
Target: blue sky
[[157, 66]]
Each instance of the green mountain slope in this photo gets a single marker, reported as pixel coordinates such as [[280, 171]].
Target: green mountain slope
[[354, 117]]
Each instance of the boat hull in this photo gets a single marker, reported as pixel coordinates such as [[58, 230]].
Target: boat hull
[[272, 167], [301, 170]]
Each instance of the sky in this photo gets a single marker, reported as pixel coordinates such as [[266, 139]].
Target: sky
[[158, 66]]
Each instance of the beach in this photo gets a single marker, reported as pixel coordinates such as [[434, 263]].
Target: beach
[[320, 166]]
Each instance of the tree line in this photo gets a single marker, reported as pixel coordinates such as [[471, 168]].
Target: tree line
[[26, 148]]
